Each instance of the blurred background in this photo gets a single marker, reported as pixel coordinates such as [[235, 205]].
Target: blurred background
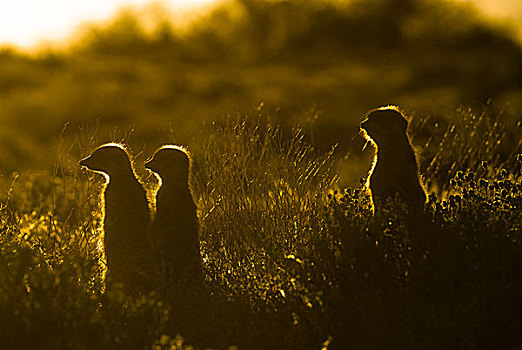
[[166, 71]]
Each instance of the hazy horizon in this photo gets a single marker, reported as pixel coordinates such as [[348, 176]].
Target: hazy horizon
[[57, 20]]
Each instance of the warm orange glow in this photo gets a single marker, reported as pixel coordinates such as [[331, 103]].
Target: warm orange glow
[[26, 23], [501, 10]]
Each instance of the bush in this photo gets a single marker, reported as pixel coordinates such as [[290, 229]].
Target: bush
[[291, 261]]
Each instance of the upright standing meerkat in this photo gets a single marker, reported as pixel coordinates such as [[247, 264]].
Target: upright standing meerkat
[[394, 171], [176, 225], [126, 220]]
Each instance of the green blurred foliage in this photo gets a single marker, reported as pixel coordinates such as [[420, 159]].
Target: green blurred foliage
[[321, 64]]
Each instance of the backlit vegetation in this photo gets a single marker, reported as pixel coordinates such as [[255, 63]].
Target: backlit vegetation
[[300, 262]]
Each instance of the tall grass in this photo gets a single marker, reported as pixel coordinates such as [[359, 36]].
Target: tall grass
[[466, 142], [299, 263]]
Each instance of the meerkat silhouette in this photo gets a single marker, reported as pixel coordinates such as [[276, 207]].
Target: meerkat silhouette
[[176, 224], [394, 171], [127, 218]]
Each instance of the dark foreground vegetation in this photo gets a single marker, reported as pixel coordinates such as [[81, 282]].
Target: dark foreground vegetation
[[295, 263]]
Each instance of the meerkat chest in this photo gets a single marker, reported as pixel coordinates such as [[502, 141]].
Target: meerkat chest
[[386, 172], [125, 215], [397, 177], [387, 176]]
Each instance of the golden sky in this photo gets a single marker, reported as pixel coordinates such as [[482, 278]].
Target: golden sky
[[510, 10], [28, 22]]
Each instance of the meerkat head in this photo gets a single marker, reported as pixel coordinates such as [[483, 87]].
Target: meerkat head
[[386, 125], [109, 159], [171, 163]]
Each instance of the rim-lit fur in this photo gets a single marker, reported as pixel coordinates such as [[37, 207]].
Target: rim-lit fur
[[126, 220], [176, 225], [394, 170]]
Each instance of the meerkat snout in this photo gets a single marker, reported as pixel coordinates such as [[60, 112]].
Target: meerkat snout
[[170, 163], [384, 126], [109, 159]]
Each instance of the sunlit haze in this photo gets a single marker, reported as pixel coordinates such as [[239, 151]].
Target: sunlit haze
[[503, 10], [28, 22]]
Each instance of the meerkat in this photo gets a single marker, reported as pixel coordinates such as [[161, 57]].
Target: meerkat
[[126, 220], [394, 170], [203, 317], [176, 225]]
